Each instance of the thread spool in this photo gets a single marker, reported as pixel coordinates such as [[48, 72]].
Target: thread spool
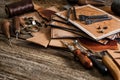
[[18, 8], [115, 7]]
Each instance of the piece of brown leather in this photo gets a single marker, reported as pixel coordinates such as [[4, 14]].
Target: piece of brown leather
[[42, 37], [61, 33], [58, 43], [90, 44], [58, 33], [91, 29], [95, 46], [46, 14]]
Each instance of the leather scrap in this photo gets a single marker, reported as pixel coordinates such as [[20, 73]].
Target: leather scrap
[[42, 37], [63, 33], [95, 46], [58, 43], [47, 13]]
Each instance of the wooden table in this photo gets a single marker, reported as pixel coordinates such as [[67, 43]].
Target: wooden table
[[27, 61]]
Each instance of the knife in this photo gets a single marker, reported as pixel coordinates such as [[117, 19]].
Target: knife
[[112, 67]]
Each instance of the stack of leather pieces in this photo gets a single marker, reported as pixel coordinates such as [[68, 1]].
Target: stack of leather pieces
[[61, 34], [52, 36], [43, 36]]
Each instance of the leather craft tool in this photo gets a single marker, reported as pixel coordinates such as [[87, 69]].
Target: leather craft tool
[[101, 67], [84, 17], [16, 25], [114, 70], [85, 61], [90, 21], [6, 30]]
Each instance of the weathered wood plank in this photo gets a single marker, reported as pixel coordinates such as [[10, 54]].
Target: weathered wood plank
[[35, 63], [27, 61]]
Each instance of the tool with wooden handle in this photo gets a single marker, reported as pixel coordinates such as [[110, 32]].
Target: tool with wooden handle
[[22, 23], [101, 67], [6, 30], [113, 68], [16, 22], [85, 61]]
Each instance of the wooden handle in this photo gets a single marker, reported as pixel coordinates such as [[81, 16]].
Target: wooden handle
[[6, 28], [22, 22], [16, 21], [114, 70], [83, 59]]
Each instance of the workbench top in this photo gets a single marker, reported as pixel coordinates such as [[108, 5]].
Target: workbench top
[[28, 61]]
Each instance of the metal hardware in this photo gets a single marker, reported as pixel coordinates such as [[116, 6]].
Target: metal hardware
[[84, 17], [90, 21], [74, 13]]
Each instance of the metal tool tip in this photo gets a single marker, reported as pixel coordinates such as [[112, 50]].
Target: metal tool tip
[[17, 34], [10, 44]]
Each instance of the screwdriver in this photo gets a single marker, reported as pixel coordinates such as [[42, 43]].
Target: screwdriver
[[101, 67], [16, 22], [6, 30], [85, 61]]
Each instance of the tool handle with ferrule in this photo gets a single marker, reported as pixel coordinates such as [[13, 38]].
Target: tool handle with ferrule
[[114, 70], [85, 61], [16, 21], [101, 67], [6, 28]]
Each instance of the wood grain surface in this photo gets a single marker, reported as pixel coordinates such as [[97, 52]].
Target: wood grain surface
[[27, 61]]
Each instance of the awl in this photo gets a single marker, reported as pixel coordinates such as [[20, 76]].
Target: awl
[[16, 21]]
